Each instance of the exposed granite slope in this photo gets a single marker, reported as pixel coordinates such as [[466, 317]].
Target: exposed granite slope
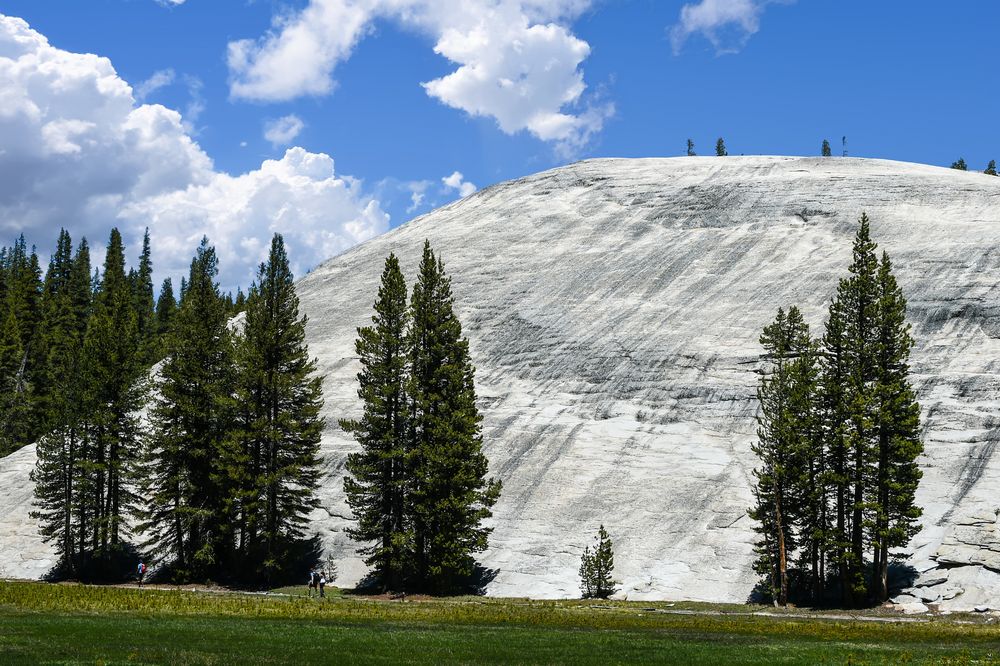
[[613, 309]]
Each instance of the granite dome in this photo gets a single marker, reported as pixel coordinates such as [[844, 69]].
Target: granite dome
[[613, 308]]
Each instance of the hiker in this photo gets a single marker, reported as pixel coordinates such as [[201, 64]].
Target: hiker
[[313, 581], [141, 572], [322, 584]]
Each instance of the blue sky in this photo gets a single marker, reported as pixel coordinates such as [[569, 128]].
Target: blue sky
[[512, 87]]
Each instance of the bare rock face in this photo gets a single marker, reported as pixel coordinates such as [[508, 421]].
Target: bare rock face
[[22, 552], [613, 309]]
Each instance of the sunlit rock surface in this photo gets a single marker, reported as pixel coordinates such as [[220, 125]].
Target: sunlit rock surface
[[613, 309]]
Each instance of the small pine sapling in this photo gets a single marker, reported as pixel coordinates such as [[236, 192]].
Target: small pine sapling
[[596, 568]]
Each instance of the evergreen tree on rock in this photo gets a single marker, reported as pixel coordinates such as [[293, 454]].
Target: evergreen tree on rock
[[826, 151], [991, 168], [690, 148], [720, 148], [377, 481], [960, 164], [275, 470], [450, 494]]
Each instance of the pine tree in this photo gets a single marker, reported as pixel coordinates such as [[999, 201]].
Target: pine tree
[[142, 295], [13, 399], [812, 485], [114, 379], [870, 422], [597, 567], [240, 304], [860, 296], [57, 328], [21, 307], [898, 426], [57, 474], [690, 148], [451, 495], [187, 519], [991, 168], [376, 483], [826, 152], [279, 396], [720, 148], [834, 410], [166, 308], [784, 446], [959, 164], [587, 573]]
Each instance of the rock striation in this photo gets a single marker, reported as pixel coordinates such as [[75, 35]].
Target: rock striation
[[613, 309]]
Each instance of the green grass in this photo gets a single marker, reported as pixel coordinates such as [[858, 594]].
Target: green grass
[[42, 623]]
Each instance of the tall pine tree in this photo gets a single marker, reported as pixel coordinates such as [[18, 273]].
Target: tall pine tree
[[897, 426], [275, 469], [451, 495], [186, 520], [115, 389], [785, 445], [376, 484], [61, 404], [142, 295]]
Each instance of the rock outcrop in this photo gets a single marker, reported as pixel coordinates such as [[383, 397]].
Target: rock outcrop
[[613, 309]]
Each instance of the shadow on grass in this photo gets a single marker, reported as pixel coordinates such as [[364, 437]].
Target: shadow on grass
[[472, 585], [118, 566], [115, 565], [901, 576]]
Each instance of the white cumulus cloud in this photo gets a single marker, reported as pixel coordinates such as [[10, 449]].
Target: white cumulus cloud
[[78, 150], [727, 24], [456, 181], [282, 131], [516, 60], [299, 196]]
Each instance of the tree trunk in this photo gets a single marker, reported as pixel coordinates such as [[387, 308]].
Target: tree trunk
[[857, 523], [782, 555]]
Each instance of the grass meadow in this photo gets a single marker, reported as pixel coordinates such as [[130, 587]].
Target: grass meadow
[[78, 624]]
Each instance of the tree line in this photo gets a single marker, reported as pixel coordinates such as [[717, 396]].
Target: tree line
[[44, 318], [218, 479], [838, 439], [960, 165], [169, 428]]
